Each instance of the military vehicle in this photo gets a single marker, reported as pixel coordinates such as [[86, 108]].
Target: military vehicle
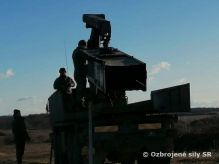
[[109, 129]]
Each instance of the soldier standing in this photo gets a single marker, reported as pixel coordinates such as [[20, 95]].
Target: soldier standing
[[63, 83], [20, 134], [80, 69]]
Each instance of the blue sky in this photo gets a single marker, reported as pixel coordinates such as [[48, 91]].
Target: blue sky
[[177, 39]]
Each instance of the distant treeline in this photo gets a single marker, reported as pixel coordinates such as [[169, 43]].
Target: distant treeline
[[41, 121], [198, 134], [33, 121], [213, 110]]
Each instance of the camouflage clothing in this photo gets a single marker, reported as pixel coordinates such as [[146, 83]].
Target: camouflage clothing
[[63, 83], [80, 72], [79, 60], [20, 136]]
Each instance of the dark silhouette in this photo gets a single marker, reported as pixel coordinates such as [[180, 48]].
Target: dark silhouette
[[63, 83], [20, 135], [80, 72]]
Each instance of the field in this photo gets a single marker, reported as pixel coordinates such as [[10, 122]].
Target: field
[[37, 151], [197, 133]]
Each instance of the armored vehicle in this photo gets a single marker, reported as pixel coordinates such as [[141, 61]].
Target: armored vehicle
[[109, 129]]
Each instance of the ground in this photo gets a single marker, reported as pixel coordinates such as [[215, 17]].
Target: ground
[[38, 149]]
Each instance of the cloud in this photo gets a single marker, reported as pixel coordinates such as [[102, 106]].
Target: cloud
[[205, 103], [151, 78], [179, 81], [159, 67], [7, 74], [182, 80], [25, 98]]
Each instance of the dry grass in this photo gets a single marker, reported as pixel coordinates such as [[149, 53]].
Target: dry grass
[[34, 153], [37, 151]]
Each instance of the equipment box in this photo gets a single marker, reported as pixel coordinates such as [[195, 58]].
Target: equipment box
[[115, 70]]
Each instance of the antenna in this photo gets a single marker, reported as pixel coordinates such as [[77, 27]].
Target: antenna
[[66, 61]]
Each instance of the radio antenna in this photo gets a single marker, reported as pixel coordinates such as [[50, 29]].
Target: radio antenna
[[66, 60]]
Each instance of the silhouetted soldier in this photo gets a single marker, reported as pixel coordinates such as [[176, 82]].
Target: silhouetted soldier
[[80, 72], [20, 134], [63, 83]]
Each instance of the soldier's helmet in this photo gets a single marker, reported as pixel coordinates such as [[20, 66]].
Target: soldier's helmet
[[17, 112], [82, 43], [62, 70]]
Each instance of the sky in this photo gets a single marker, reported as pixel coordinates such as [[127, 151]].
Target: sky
[[178, 40]]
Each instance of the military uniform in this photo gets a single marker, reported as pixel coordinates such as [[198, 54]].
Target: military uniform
[[64, 84], [20, 136], [80, 71]]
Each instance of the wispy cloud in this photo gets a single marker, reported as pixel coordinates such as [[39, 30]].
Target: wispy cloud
[[159, 67], [7, 74], [205, 102], [150, 78], [25, 98], [180, 81]]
